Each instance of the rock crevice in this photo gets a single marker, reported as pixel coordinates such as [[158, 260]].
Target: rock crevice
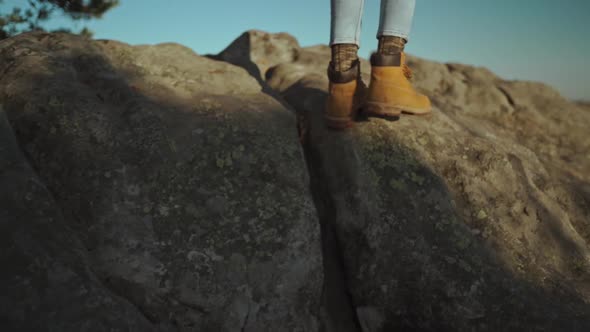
[[414, 249], [168, 191]]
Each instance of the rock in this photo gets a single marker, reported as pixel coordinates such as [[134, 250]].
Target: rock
[[131, 225], [46, 276], [168, 188], [482, 214], [489, 144], [256, 51]]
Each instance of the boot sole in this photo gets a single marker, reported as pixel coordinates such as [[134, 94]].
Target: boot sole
[[341, 123], [420, 111], [381, 109], [338, 123], [384, 109]]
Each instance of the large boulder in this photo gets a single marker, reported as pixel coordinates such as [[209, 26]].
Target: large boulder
[[148, 188], [475, 218]]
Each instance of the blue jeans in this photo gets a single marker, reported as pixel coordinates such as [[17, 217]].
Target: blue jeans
[[395, 20]]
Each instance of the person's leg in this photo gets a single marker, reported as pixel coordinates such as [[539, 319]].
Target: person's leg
[[395, 23], [345, 32], [390, 90], [346, 90]]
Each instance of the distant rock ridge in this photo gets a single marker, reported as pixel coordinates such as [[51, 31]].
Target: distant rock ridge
[[148, 188]]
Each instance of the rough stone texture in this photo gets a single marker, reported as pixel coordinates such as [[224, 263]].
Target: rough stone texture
[[257, 51], [149, 188], [46, 280], [584, 105], [161, 191], [475, 218]]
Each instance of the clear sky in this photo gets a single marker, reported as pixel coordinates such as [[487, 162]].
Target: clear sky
[[540, 40]]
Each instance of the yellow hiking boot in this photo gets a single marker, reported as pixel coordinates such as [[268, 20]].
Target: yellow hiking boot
[[345, 96], [390, 91]]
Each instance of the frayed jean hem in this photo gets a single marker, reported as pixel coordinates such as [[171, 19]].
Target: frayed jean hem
[[395, 33]]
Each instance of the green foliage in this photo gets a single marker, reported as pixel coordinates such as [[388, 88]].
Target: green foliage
[[39, 11]]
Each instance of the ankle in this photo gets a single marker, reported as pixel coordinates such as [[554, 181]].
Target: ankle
[[344, 56], [391, 45]]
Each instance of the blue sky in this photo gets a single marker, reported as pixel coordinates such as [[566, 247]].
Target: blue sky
[[539, 40]]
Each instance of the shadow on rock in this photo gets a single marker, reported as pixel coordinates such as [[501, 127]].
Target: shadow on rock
[[165, 188], [180, 187], [402, 250], [397, 251]]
